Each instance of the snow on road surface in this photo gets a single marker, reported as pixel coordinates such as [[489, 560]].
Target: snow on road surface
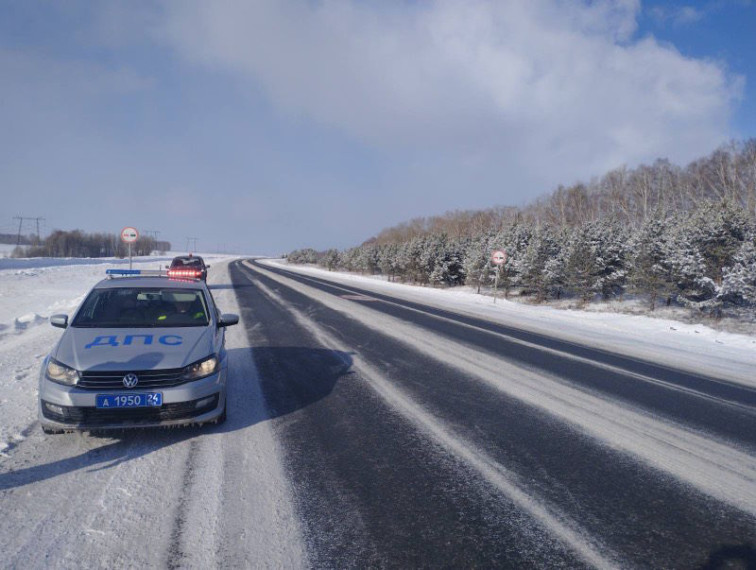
[[717, 469], [579, 442], [149, 498]]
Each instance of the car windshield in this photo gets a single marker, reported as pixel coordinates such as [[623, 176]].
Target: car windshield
[[136, 307]]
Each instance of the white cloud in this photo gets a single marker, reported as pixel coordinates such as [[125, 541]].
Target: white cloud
[[677, 15], [614, 18], [542, 80]]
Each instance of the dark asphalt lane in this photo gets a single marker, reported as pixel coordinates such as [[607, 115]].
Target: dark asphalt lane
[[722, 408], [374, 491], [371, 491]]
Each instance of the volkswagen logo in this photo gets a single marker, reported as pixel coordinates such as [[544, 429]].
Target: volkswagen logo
[[130, 380]]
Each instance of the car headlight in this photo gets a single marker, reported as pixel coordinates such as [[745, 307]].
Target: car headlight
[[61, 373], [201, 369]]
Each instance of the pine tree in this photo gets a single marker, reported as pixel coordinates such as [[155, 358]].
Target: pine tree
[[739, 283], [330, 260], [581, 265], [387, 260], [688, 266], [608, 242], [717, 232], [650, 271], [555, 268], [476, 261], [514, 240], [541, 250]]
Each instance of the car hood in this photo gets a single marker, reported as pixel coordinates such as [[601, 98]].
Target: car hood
[[133, 349]]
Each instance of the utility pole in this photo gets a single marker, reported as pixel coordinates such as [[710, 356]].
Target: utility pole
[[20, 223], [192, 239], [39, 235]]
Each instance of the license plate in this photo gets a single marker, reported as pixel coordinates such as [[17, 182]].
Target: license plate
[[145, 400]]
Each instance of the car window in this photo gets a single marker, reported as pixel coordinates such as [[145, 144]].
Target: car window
[[186, 262], [143, 307]]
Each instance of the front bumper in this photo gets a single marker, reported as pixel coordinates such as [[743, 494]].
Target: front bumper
[[70, 408]]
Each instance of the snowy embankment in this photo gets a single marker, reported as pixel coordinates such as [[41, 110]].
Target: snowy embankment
[[693, 347], [30, 291]]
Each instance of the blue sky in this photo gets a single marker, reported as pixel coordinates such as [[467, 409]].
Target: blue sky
[[264, 126], [720, 30]]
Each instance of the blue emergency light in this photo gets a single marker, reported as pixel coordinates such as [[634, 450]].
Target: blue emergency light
[[134, 272]]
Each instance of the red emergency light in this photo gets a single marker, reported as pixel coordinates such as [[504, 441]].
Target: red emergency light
[[195, 273]]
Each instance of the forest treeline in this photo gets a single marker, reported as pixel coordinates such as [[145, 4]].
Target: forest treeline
[[17, 239], [77, 243], [682, 235]]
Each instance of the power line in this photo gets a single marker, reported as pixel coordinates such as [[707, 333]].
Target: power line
[[21, 222]]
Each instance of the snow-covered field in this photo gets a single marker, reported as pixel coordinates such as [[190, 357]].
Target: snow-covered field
[[32, 290], [6, 249]]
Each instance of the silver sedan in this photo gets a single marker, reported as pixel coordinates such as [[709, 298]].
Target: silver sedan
[[140, 351]]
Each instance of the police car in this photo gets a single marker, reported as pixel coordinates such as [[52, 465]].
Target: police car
[[142, 350]]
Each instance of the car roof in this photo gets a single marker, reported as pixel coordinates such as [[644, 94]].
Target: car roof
[[147, 282]]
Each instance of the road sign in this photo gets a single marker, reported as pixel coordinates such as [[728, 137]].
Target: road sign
[[129, 235], [499, 257]]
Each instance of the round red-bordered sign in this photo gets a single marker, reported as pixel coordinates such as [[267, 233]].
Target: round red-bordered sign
[[129, 235], [498, 257]]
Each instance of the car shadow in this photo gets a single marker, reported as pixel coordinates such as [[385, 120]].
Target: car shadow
[[282, 381], [732, 556]]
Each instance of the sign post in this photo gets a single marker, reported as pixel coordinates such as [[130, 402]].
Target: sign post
[[498, 258], [129, 235]]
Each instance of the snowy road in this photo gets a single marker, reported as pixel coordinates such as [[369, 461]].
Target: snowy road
[[415, 436], [187, 498], [371, 430]]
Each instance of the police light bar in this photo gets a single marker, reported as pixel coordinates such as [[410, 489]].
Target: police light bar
[[133, 272], [184, 273]]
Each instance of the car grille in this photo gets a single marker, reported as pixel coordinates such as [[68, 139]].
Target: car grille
[[91, 416], [98, 380]]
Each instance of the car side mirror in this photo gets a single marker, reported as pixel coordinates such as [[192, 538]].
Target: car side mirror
[[207, 266], [60, 321], [228, 319]]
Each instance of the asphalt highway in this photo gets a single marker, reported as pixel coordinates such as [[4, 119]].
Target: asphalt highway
[[418, 437]]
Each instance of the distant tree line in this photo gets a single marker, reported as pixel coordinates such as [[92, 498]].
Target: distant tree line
[[17, 239], [668, 234], [77, 243]]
